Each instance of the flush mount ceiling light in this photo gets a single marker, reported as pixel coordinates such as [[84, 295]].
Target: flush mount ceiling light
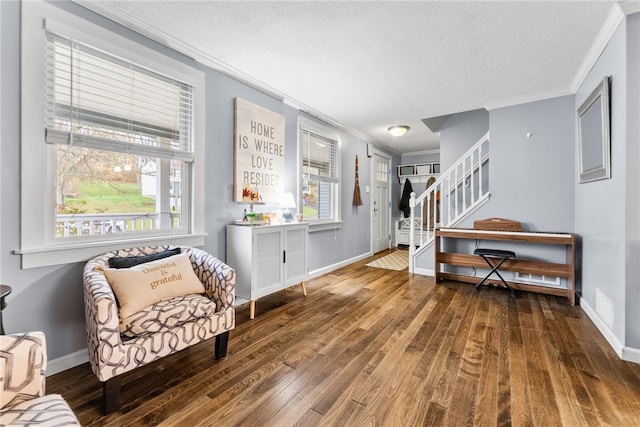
[[398, 130]]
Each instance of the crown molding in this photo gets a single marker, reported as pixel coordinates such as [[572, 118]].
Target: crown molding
[[525, 99], [114, 13], [630, 7], [613, 20], [611, 24]]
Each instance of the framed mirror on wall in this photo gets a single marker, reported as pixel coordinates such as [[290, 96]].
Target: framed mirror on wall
[[594, 135]]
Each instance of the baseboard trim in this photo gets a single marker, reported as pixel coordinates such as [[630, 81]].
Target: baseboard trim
[[631, 354], [625, 353], [423, 271], [324, 270], [69, 361]]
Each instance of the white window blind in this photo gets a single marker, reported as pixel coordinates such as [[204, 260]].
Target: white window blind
[[96, 100], [320, 176], [319, 157]]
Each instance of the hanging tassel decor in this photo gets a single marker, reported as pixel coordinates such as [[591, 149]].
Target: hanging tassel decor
[[357, 200]]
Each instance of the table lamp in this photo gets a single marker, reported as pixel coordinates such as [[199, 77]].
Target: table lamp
[[287, 202]]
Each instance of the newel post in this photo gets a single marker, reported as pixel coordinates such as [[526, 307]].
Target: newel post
[[412, 247]]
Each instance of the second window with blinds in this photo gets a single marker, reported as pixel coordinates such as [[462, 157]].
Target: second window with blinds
[[320, 196]]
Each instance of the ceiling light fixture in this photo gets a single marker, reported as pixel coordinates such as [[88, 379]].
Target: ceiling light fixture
[[398, 130]]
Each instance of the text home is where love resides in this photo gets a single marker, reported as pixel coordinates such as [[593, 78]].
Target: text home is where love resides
[[258, 154]]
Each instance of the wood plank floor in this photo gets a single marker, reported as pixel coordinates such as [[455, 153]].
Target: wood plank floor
[[378, 347]]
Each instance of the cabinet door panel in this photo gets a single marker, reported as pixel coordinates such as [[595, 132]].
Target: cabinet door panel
[[296, 259], [268, 260]]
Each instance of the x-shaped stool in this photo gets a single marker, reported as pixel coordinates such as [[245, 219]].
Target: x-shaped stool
[[500, 256]]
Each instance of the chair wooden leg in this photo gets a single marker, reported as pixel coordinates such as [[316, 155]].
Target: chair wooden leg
[[221, 345], [111, 395]]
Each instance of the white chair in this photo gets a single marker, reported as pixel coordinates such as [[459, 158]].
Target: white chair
[[160, 329]]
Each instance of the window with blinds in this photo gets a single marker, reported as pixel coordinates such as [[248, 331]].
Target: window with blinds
[[123, 138], [97, 100], [111, 140], [320, 178]]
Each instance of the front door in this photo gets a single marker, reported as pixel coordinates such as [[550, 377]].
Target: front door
[[380, 205]]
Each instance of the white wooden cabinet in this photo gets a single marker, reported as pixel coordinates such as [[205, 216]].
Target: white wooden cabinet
[[267, 259]]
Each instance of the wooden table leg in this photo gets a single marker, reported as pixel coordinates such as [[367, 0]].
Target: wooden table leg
[[252, 309], [304, 289]]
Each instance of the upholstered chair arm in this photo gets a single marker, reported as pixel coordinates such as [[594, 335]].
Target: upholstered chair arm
[[23, 358], [218, 278], [106, 351]]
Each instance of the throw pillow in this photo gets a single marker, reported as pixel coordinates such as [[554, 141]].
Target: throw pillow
[[145, 284], [130, 261]]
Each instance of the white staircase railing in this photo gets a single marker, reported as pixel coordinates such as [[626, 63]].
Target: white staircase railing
[[455, 194]]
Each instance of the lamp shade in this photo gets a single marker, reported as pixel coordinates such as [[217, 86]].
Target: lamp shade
[[287, 201]]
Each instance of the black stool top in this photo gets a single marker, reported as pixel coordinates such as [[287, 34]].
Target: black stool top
[[497, 253]]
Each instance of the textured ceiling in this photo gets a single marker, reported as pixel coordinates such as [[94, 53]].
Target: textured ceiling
[[370, 65]]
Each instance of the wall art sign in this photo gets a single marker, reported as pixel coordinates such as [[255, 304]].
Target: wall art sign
[[258, 154]]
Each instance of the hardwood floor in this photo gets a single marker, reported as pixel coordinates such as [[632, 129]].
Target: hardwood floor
[[370, 346]]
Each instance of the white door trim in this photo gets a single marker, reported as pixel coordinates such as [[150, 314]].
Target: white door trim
[[371, 151]]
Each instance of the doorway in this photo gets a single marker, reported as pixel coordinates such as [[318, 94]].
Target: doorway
[[380, 206]]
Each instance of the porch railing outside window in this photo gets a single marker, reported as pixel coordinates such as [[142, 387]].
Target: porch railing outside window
[[90, 225]]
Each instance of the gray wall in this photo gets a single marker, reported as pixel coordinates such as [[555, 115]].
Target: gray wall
[[531, 179], [632, 314], [50, 299], [459, 133], [606, 211], [413, 158]]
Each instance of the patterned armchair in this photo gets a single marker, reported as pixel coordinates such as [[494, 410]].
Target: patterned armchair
[[23, 360], [160, 329]]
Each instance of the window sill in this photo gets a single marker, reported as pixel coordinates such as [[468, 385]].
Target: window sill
[[82, 252], [323, 226]]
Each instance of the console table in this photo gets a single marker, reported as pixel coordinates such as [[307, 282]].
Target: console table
[[565, 270], [267, 259]]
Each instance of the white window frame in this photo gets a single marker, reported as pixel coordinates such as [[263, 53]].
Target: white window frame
[[329, 133], [38, 161]]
